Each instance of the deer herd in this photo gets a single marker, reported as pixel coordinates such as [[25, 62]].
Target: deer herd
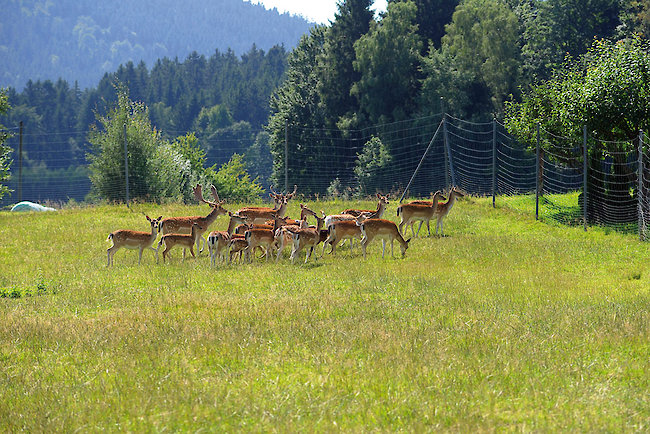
[[269, 232]]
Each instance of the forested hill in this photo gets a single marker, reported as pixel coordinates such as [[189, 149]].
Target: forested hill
[[80, 40]]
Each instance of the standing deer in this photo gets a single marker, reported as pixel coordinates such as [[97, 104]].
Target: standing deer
[[183, 225], [133, 240], [307, 238], [444, 208], [385, 230], [418, 211], [182, 240], [381, 207], [259, 215], [339, 231]]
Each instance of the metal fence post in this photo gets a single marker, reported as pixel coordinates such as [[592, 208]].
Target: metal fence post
[[286, 156], [640, 191], [584, 175], [126, 167], [494, 163], [448, 149], [537, 178], [20, 163]]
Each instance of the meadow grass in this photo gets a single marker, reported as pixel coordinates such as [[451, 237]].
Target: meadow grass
[[505, 324]]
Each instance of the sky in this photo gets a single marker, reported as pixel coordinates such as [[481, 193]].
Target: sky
[[318, 11]]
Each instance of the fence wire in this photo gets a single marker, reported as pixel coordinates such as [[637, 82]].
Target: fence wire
[[480, 158]]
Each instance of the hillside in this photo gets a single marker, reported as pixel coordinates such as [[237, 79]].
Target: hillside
[[82, 40]]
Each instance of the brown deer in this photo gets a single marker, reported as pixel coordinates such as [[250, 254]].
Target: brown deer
[[262, 237], [421, 211], [307, 238], [182, 240], [378, 213], [339, 231], [183, 225], [259, 215], [133, 240], [443, 208], [385, 230]]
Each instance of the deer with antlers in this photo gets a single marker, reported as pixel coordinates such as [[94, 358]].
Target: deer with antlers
[[183, 225], [421, 211], [133, 240], [378, 213], [259, 215]]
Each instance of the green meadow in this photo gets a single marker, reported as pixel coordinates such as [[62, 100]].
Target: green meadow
[[505, 324]]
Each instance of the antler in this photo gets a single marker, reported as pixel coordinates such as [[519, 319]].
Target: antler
[[213, 190], [198, 194], [295, 188], [273, 193]]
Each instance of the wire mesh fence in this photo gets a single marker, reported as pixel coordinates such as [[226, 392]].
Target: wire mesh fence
[[573, 180]]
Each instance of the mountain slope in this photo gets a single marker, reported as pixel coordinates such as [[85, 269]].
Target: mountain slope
[[81, 40]]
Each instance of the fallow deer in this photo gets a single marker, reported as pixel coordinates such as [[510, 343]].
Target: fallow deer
[[385, 230], [182, 240], [183, 225], [378, 213], [420, 211], [443, 208], [133, 240]]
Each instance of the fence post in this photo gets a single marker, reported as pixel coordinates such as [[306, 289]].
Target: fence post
[[20, 163], [448, 149], [537, 178], [584, 175], [126, 167], [444, 146], [640, 192], [494, 163], [286, 155]]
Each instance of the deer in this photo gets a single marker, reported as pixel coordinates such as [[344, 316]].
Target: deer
[[262, 237], [182, 240], [340, 231], [218, 243], [237, 246], [284, 238], [133, 240], [385, 230], [443, 208], [259, 215], [418, 211], [378, 213], [307, 238], [183, 225]]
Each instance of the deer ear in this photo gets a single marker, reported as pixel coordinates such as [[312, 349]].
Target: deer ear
[[148, 218], [159, 218]]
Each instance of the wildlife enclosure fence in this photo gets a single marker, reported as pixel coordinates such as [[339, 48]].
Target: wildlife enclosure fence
[[411, 158]]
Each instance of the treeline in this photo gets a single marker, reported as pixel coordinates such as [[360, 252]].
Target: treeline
[[465, 57], [343, 94], [82, 40], [223, 99]]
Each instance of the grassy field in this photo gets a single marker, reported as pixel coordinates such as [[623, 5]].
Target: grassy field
[[506, 324]]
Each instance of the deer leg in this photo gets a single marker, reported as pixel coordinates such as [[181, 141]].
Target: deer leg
[[419, 227], [383, 247]]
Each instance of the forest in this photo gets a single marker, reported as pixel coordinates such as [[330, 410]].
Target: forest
[[80, 41], [471, 58]]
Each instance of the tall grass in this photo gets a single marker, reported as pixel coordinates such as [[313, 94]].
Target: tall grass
[[505, 324]]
